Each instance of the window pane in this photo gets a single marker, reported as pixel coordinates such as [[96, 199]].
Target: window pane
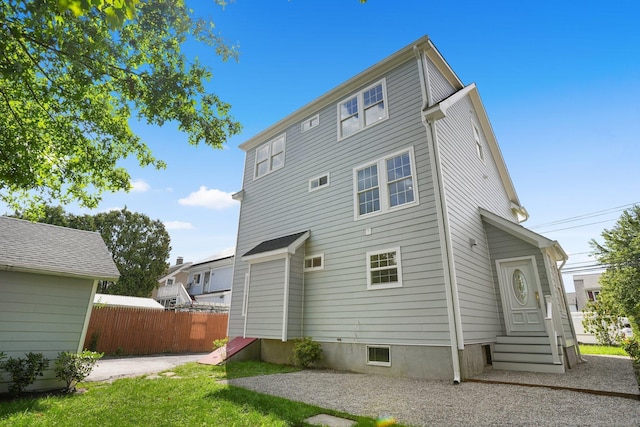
[[379, 354], [368, 178], [350, 125], [278, 146], [374, 113], [308, 263], [262, 153], [400, 181], [323, 180], [349, 108], [262, 168], [277, 161], [373, 95], [317, 262], [369, 201], [401, 192]]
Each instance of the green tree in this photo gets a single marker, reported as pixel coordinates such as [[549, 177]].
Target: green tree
[[620, 253], [139, 245], [74, 73]]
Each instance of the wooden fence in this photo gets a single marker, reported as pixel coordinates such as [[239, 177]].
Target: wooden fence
[[127, 331]]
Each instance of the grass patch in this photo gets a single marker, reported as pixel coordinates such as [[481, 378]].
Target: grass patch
[[602, 349], [194, 399]]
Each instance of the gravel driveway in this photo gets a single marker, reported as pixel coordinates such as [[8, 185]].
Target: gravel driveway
[[428, 403]]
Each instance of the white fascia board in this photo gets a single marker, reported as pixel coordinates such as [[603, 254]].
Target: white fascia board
[[439, 111], [522, 233]]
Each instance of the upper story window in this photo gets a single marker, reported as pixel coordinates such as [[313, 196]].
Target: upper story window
[[270, 156], [386, 184], [362, 109], [310, 123], [169, 281], [476, 137], [319, 182]]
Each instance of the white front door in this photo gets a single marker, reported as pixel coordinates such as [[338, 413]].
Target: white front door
[[521, 295]]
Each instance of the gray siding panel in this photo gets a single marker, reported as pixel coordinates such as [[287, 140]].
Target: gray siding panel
[[337, 303], [296, 295], [471, 182], [440, 87], [266, 300], [42, 314]]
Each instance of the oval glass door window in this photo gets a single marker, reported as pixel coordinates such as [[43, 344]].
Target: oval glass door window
[[520, 287]]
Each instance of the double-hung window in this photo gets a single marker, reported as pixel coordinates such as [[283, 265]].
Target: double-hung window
[[384, 269], [386, 184], [362, 109], [270, 156]]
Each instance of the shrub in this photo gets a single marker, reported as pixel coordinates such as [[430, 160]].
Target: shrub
[[632, 347], [220, 343], [24, 371], [306, 352], [74, 367], [603, 324]]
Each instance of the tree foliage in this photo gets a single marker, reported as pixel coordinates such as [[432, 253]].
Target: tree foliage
[[620, 253], [139, 245], [74, 73]]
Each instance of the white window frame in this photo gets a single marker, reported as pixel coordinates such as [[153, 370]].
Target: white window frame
[[310, 123], [378, 363], [321, 267], [170, 281], [398, 266], [383, 185], [478, 141], [360, 112], [270, 156], [319, 186]]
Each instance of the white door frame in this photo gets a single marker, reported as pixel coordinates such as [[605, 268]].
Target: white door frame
[[504, 285]]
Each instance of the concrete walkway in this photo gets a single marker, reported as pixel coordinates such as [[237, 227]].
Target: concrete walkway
[[110, 369]]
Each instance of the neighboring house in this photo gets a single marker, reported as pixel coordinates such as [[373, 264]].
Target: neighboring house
[[170, 291], [572, 301], [108, 300], [210, 280], [48, 279], [587, 288], [381, 221]]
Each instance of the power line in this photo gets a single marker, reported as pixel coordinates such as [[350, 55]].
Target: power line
[[579, 226], [584, 216]]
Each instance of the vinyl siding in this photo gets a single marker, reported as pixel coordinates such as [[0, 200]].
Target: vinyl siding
[[504, 245], [438, 84], [266, 300], [296, 295], [471, 182], [41, 314], [337, 304]]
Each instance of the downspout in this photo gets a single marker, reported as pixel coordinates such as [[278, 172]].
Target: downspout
[[285, 308], [447, 255]]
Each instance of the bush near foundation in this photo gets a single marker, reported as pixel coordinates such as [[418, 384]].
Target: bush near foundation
[[75, 367], [306, 352]]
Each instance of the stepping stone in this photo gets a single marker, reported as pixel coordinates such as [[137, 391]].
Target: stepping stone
[[329, 421]]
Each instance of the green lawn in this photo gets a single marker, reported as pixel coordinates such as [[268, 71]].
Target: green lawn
[[602, 349], [194, 399]]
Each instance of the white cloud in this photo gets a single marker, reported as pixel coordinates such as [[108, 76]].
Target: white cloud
[[139, 186], [212, 199], [178, 225]]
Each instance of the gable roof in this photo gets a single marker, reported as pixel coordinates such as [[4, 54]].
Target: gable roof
[[276, 246], [524, 234], [49, 249], [225, 254], [175, 269], [365, 77]]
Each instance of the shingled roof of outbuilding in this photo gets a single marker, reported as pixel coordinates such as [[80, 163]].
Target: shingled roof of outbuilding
[[49, 249]]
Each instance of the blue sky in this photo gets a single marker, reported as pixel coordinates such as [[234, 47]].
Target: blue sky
[[560, 83]]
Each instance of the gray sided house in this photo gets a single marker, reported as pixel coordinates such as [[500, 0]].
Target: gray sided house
[[48, 279], [381, 221]]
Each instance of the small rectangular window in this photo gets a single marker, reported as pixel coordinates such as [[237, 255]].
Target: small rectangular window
[[310, 123], [269, 156], [384, 269], [378, 355], [476, 137], [169, 281], [362, 109], [314, 262], [319, 182], [196, 278]]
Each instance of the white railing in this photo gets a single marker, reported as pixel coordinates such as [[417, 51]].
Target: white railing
[[176, 291], [551, 330]]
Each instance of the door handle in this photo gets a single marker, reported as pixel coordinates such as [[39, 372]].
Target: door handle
[[538, 299]]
